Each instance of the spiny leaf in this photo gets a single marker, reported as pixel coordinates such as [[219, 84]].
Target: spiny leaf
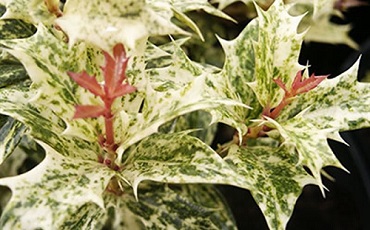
[[11, 134], [105, 24], [311, 145], [318, 22], [171, 207], [13, 28], [47, 60], [169, 92], [341, 103], [31, 11], [52, 192], [275, 179], [176, 158], [276, 52], [49, 131], [238, 71]]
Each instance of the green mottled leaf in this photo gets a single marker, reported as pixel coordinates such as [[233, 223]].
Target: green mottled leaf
[[180, 7], [198, 121], [341, 103], [165, 97], [106, 23], [47, 60], [55, 190], [49, 131], [169, 92], [239, 70], [318, 22], [11, 166], [172, 207], [11, 74], [276, 52], [176, 158], [11, 134], [311, 144], [31, 11], [275, 178], [12, 28], [337, 104]]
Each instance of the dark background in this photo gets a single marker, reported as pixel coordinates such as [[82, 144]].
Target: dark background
[[347, 204]]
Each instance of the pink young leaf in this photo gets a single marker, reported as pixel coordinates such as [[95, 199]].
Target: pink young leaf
[[300, 86], [121, 63], [122, 90], [115, 69], [306, 85], [87, 82], [281, 84], [89, 111]]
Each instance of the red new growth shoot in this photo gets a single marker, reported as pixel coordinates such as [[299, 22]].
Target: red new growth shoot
[[115, 85], [299, 86]]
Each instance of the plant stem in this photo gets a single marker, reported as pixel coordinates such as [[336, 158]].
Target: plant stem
[[276, 111]]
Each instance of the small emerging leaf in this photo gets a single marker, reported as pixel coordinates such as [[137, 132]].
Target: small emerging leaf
[[89, 111]]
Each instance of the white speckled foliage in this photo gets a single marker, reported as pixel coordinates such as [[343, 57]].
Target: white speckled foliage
[[164, 169]]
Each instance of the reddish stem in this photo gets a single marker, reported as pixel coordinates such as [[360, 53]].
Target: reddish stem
[[276, 111]]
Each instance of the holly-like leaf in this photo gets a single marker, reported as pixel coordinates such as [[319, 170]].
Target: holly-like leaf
[[177, 158], [49, 131], [311, 145], [239, 70], [171, 91], [337, 104], [318, 21], [275, 178], [11, 134], [47, 60], [276, 52], [31, 11], [12, 74], [340, 103], [55, 190], [13, 28], [106, 24], [171, 207], [198, 121]]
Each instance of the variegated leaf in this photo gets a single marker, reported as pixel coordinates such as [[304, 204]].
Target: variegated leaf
[[276, 52], [341, 103], [54, 191], [11, 134], [318, 22], [49, 131], [171, 91], [31, 11], [311, 145], [12, 74], [177, 158], [171, 207], [13, 28], [198, 121], [337, 104], [180, 7], [239, 69], [47, 60], [275, 178], [107, 23], [11, 166]]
